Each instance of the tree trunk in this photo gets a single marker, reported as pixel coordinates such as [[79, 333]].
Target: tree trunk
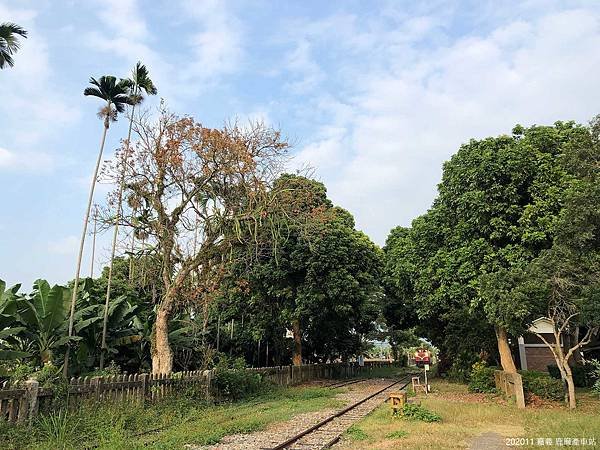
[[570, 385], [94, 242], [297, 355], [506, 359], [162, 356], [103, 348], [81, 245]]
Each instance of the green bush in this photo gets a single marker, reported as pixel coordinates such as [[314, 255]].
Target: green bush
[[48, 375], [418, 412], [595, 376], [111, 369], [582, 374], [553, 371], [233, 382], [542, 385], [482, 378]]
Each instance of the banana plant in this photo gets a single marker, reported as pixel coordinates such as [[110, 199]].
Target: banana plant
[[9, 333], [122, 329], [44, 314]]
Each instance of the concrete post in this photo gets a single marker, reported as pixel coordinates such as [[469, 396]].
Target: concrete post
[[519, 394], [32, 387]]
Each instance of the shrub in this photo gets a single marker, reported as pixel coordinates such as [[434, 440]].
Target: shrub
[[460, 370], [20, 372], [418, 412], [482, 378], [553, 371], [48, 376], [233, 381], [595, 376], [542, 385], [111, 369], [582, 374]]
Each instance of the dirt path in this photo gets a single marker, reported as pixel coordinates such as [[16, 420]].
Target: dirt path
[[488, 441]]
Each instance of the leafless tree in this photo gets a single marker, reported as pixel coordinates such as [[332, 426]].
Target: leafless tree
[[197, 192]]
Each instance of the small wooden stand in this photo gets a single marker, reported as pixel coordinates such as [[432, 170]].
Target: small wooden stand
[[417, 386], [397, 401]]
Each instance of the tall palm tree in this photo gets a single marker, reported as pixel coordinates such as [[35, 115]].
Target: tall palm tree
[[116, 95], [9, 42], [139, 83], [141, 80]]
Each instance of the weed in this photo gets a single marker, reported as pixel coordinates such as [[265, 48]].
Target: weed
[[357, 434], [418, 412], [59, 429], [396, 434]]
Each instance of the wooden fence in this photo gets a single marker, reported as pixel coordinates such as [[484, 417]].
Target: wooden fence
[[22, 403], [511, 384]]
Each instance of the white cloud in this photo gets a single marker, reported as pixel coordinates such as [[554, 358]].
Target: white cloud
[[28, 92], [217, 46], [399, 113], [214, 50], [324, 153], [38, 162], [301, 63], [123, 16]]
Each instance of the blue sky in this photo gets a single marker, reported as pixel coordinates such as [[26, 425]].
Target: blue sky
[[375, 95]]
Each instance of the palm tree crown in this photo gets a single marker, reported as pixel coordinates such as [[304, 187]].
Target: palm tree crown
[[9, 42], [114, 93], [140, 79]]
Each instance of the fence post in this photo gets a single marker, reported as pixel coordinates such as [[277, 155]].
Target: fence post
[[32, 387], [208, 374], [96, 383], [144, 389]]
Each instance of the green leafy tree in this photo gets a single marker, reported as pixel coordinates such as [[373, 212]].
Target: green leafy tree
[[9, 42], [321, 279], [565, 279], [496, 210]]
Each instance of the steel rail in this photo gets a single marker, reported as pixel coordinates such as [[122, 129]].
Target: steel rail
[[340, 413], [344, 383]]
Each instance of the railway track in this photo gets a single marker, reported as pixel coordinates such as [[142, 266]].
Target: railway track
[[338, 384], [340, 421], [328, 431]]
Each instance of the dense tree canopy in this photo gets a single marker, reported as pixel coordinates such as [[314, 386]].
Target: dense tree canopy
[[320, 280], [497, 208]]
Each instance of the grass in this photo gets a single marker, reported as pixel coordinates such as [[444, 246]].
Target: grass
[[185, 420], [465, 416], [188, 421]]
